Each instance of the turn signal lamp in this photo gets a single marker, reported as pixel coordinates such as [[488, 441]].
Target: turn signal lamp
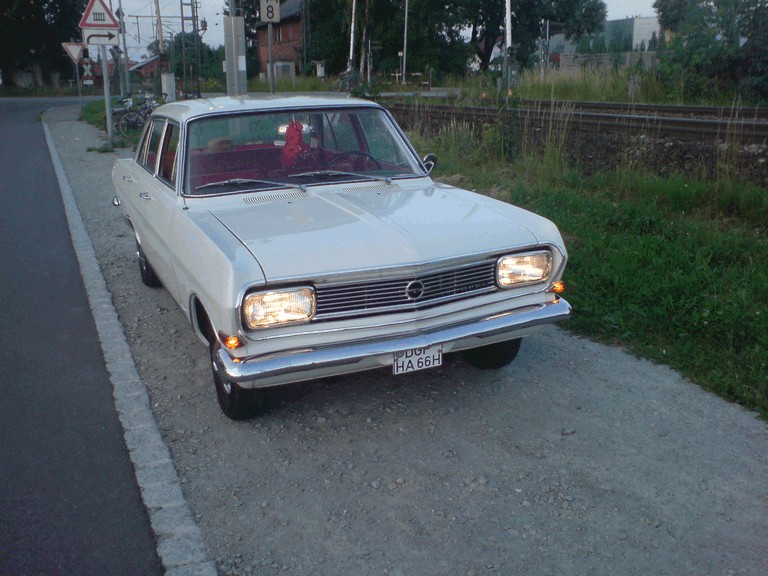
[[230, 342], [558, 287]]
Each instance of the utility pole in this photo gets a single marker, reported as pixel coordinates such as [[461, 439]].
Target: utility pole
[[126, 66], [508, 44], [352, 37], [160, 43], [191, 66], [118, 61], [405, 40]]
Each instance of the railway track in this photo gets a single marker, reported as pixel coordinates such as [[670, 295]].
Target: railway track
[[711, 124], [628, 109]]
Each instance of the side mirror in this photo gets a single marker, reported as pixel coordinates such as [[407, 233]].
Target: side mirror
[[429, 161]]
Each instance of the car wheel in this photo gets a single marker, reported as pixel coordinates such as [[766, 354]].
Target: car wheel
[[236, 402], [148, 275], [493, 356]]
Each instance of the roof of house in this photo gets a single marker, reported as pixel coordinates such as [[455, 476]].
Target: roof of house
[[140, 65]]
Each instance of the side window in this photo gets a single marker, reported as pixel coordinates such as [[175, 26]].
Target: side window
[[169, 158], [151, 151]]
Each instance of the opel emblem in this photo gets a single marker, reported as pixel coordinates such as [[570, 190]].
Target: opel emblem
[[414, 290]]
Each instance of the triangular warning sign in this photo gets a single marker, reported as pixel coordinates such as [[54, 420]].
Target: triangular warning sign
[[97, 15], [74, 49]]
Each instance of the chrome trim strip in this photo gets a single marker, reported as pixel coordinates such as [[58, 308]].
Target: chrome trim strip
[[307, 361]]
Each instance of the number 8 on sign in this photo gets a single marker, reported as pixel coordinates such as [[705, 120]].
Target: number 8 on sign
[[270, 10]]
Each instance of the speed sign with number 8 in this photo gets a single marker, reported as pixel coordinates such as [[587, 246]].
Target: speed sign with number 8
[[270, 10]]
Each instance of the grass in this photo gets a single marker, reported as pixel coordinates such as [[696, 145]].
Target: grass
[[590, 84], [672, 269], [93, 113]]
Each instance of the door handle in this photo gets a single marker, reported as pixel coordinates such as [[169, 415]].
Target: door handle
[[144, 196]]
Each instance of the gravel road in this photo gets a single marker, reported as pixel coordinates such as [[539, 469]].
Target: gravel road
[[577, 459]]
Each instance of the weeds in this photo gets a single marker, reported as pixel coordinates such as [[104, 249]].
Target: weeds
[[670, 268], [592, 84]]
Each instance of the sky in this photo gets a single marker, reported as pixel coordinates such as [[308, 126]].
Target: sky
[[141, 19]]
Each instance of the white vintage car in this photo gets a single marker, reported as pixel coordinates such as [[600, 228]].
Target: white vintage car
[[303, 238]]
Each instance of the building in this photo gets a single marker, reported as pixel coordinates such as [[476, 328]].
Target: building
[[631, 34], [147, 69], [624, 35], [286, 41]]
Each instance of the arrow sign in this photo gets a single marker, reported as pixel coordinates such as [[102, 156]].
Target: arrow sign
[[97, 15], [74, 50], [101, 37]]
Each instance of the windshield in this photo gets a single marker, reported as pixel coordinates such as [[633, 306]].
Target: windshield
[[295, 148]]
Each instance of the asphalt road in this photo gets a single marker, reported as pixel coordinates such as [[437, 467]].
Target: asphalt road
[[69, 503]]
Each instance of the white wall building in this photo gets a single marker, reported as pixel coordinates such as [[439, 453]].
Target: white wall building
[[626, 34]]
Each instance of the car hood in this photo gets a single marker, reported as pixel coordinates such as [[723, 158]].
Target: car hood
[[344, 229]]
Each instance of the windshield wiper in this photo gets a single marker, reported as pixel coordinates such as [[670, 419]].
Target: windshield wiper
[[342, 173], [247, 182]]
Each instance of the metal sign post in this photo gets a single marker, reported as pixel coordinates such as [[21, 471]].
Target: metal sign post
[[79, 88], [271, 68], [107, 103], [270, 13], [98, 25], [75, 50]]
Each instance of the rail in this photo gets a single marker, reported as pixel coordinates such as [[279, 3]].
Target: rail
[[745, 126]]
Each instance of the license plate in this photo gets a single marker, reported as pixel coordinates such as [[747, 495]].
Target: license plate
[[417, 359]]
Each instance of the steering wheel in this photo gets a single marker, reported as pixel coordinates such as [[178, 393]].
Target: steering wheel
[[360, 154]]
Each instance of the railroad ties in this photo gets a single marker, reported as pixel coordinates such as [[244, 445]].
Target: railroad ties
[[747, 125]]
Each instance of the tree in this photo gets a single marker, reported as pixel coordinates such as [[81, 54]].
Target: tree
[[753, 56], [31, 33], [670, 13], [330, 22], [485, 19], [653, 43], [434, 35], [720, 47]]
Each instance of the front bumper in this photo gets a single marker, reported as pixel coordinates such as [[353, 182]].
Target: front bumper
[[318, 362]]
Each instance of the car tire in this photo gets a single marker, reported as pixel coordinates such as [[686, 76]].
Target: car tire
[[148, 275], [493, 356], [236, 402]]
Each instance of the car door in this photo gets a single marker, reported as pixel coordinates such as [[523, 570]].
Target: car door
[[156, 201]]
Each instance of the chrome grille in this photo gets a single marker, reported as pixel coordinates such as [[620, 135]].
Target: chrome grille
[[405, 293]]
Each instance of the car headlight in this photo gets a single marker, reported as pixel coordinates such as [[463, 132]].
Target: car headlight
[[526, 268], [262, 309]]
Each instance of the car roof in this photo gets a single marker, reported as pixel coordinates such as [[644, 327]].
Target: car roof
[[189, 109]]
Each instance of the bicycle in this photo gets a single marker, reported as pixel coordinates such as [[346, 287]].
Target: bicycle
[[134, 119], [117, 111]]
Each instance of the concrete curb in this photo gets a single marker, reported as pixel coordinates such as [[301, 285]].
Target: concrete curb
[[179, 540]]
